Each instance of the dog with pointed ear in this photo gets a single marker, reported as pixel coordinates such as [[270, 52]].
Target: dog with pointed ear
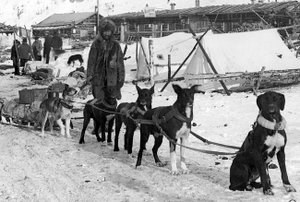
[[129, 111], [172, 122]]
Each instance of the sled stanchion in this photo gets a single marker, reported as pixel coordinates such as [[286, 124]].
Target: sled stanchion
[[257, 84], [187, 57], [208, 59]]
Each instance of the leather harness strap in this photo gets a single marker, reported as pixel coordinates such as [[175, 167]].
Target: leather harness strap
[[173, 113], [155, 121], [65, 104]]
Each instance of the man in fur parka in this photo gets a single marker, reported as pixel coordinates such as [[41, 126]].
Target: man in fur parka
[[105, 66]]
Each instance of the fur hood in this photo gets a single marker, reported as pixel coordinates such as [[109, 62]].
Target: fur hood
[[106, 24]]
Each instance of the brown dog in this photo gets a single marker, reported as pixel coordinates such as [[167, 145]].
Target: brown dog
[[56, 109], [267, 139]]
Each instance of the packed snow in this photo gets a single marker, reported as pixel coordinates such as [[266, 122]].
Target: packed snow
[[55, 168], [59, 169]]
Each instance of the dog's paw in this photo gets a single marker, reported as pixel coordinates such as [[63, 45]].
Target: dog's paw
[[42, 135], [81, 141], [185, 171], [138, 167], [109, 143], [268, 192], [175, 172], [132, 156], [116, 149], [249, 187], [161, 164], [289, 188]]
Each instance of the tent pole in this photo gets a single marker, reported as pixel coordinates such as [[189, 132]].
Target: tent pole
[[177, 70], [208, 59], [145, 56], [260, 17], [169, 67], [137, 52], [151, 62], [17, 50], [29, 41]]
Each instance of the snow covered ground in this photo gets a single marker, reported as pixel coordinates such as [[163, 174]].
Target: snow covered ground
[[59, 169]]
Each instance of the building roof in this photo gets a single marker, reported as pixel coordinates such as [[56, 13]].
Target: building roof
[[289, 6], [64, 19], [7, 29]]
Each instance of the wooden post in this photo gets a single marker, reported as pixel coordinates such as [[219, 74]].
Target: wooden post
[[208, 60], [260, 17], [145, 56], [137, 52], [29, 41], [181, 65], [17, 51], [169, 67], [257, 83], [151, 61], [97, 18]]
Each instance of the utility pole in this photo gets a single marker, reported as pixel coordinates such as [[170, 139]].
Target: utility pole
[[97, 18]]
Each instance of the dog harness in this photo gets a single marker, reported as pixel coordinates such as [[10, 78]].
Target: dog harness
[[107, 105], [172, 113], [271, 125], [65, 103]]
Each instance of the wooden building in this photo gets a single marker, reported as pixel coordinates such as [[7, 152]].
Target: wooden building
[[69, 25], [7, 29], [223, 18]]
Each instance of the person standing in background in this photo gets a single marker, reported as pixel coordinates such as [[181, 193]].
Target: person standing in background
[[47, 47], [24, 53], [56, 44], [15, 56], [37, 49]]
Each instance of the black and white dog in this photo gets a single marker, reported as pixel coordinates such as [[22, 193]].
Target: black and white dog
[[75, 57], [175, 122], [267, 139], [134, 110]]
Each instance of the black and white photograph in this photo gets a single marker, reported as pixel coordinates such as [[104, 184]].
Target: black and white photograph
[[150, 100]]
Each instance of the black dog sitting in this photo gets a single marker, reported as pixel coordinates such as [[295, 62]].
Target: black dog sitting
[[135, 110], [75, 57], [267, 139], [175, 122], [99, 110]]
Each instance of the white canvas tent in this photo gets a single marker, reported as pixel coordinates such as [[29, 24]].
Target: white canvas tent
[[178, 45], [241, 52]]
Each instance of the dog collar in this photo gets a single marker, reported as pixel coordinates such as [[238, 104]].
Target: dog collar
[[271, 125]]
